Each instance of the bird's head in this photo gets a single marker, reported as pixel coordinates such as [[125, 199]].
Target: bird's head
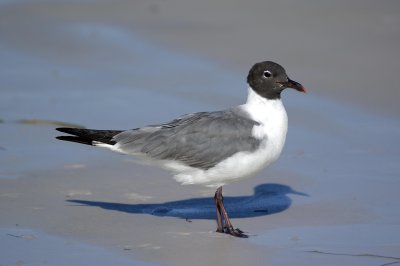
[[269, 79]]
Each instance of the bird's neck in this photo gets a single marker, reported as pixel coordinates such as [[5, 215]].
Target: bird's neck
[[264, 110]]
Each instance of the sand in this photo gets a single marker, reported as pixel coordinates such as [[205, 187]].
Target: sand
[[331, 199]]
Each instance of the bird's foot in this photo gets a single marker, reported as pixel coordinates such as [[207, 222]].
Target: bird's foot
[[233, 232]]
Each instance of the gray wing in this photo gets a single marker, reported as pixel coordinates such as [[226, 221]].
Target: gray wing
[[200, 140]]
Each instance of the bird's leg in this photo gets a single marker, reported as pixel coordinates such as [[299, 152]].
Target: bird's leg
[[221, 211], [217, 196]]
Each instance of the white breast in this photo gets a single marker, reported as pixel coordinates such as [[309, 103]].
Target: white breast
[[272, 118], [271, 115]]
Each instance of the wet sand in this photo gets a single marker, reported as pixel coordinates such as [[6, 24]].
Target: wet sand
[[343, 50], [123, 65]]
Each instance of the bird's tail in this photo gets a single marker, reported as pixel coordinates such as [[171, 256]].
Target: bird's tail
[[88, 136]]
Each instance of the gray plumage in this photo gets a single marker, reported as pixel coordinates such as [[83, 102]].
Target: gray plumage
[[199, 140]]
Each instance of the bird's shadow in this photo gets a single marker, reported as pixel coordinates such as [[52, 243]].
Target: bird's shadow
[[267, 199]]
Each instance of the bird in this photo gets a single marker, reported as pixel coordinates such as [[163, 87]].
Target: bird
[[211, 148]]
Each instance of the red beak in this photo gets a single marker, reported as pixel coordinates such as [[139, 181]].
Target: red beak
[[294, 85]]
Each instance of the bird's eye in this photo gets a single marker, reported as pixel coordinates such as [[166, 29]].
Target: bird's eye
[[267, 74]]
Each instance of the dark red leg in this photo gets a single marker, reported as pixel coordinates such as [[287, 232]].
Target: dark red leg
[[221, 212], [220, 226]]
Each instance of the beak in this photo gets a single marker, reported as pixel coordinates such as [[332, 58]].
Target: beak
[[299, 193], [293, 84]]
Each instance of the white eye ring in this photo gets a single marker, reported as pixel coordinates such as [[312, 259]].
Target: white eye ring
[[267, 74]]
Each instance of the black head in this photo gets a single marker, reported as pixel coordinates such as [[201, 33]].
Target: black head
[[269, 79]]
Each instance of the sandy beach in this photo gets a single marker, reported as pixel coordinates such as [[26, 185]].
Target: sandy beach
[[331, 199]]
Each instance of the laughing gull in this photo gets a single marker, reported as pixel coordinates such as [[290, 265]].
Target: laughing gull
[[211, 148]]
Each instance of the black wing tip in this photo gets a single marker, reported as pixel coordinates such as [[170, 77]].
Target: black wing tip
[[76, 139], [66, 129], [87, 136]]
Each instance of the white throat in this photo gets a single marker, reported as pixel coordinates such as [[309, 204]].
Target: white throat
[[271, 115], [262, 109]]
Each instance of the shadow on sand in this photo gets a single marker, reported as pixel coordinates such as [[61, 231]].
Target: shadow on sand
[[267, 199]]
